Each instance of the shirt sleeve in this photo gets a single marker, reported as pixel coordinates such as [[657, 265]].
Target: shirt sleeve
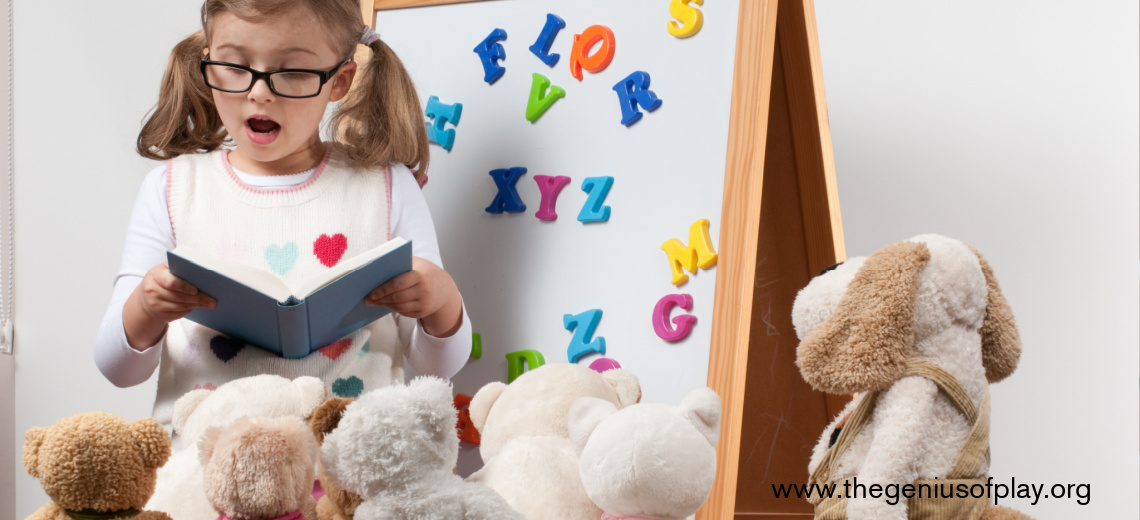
[[149, 236], [427, 354]]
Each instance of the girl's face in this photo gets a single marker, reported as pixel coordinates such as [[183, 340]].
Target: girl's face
[[276, 135]]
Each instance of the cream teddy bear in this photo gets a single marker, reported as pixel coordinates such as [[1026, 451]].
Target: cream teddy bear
[[260, 469], [180, 490], [96, 465], [527, 454], [397, 447], [919, 329], [647, 461]]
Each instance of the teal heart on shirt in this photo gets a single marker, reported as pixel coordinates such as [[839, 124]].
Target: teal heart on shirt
[[281, 258]]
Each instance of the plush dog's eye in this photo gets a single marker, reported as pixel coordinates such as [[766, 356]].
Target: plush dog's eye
[[832, 268]]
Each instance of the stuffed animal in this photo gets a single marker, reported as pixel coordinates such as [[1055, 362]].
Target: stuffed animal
[[527, 454], [336, 504], [397, 448], [96, 466], [647, 461], [260, 469], [919, 329], [180, 490]]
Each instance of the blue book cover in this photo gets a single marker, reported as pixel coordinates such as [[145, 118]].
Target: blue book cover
[[256, 307]]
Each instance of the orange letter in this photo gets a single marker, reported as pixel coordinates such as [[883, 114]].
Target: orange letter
[[584, 42]]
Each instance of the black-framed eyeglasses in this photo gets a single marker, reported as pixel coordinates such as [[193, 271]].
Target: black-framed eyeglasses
[[290, 83]]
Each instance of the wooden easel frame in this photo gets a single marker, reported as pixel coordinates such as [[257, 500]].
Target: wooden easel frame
[[760, 23]]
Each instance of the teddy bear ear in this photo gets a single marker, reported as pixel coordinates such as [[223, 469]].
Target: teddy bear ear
[[626, 385], [586, 413], [184, 407], [327, 416], [1001, 343], [701, 406], [33, 439], [312, 392], [207, 443], [481, 404], [152, 441], [865, 343]]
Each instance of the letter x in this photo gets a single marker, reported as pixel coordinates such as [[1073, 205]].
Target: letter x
[[508, 198]]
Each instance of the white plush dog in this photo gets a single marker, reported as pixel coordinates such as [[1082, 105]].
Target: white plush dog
[[397, 447], [865, 327]]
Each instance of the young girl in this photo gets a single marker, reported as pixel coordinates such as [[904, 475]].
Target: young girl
[[248, 178]]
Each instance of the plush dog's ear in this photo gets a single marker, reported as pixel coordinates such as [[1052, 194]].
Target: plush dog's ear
[[625, 384], [152, 441], [701, 406], [313, 393], [865, 343], [186, 405], [327, 416], [586, 413], [1001, 343], [207, 443], [481, 404], [33, 439]]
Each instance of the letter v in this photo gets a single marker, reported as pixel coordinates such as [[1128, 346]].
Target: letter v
[[540, 100]]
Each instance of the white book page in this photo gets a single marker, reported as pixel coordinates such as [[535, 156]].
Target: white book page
[[346, 266], [262, 281]]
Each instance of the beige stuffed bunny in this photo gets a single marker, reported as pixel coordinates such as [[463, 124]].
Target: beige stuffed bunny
[[919, 329]]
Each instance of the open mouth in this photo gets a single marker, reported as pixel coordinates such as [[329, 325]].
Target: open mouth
[[263, 126]]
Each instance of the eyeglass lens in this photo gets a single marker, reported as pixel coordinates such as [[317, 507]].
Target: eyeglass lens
[[283, 83]]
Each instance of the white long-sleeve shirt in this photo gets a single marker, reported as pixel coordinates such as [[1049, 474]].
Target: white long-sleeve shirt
[[150, 236]]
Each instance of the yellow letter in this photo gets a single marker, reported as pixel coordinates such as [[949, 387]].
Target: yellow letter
[[688, 15], [699, 253]]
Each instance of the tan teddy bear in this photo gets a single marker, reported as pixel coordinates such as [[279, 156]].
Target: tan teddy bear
[[337, 504], [260, 469], [97, 466]]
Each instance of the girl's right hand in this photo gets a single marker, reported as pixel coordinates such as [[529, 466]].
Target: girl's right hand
[[160, 299]]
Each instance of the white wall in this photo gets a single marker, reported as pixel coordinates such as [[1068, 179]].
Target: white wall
[[1011, 125]]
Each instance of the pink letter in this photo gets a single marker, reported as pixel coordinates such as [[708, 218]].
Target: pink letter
[[550, 187], [683, 322]]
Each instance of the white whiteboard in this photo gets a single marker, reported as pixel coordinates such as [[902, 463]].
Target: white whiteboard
[[519, 275]]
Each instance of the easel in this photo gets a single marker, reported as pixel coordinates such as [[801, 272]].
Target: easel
[[781, 225]]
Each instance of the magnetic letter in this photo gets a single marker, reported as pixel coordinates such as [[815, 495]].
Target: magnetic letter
[[540, 100], [550, 187], [583, 326], [683, 322], [490, 51], [579, 59], [507, 199], [633, 91], [541, 47], [699, 252], [442, 114], [689, 16], [593, 210], [515, 360], [476, 346]]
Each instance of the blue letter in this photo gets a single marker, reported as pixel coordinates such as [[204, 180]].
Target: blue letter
[[541, 47], [593, 210], [581, 344], [507, 199], [633, 91], [490, 51], [442, 114]]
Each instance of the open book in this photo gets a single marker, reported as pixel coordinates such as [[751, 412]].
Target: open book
[[257, 307]]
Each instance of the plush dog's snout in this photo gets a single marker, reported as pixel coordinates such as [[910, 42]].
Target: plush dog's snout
[[832, 268]]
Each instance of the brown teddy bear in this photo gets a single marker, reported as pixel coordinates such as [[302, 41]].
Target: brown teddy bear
[[96, 466], [337, 504], [260, 469]]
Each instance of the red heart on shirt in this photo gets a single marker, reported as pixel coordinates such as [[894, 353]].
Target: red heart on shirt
[[329, 250], [336, 349]]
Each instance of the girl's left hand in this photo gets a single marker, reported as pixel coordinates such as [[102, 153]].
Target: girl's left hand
[[426, 293]]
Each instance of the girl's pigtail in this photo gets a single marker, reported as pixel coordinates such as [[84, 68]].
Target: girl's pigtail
[[185, 119], [380, 121]]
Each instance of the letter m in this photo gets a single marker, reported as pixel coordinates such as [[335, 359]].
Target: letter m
[[698, 254]]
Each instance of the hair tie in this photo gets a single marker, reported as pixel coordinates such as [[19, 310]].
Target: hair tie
[[369, 37]]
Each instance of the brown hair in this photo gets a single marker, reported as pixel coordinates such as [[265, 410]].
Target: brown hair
[[377, 123]]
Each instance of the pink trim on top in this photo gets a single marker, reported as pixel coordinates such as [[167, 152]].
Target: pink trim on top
[[388, 188], [607, 516], [169, 215], [256, 189]]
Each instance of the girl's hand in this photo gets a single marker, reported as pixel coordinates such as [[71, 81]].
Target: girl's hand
[[426, 293], [160, 299]]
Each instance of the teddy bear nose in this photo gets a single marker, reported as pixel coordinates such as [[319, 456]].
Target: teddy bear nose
[[832, 268]]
